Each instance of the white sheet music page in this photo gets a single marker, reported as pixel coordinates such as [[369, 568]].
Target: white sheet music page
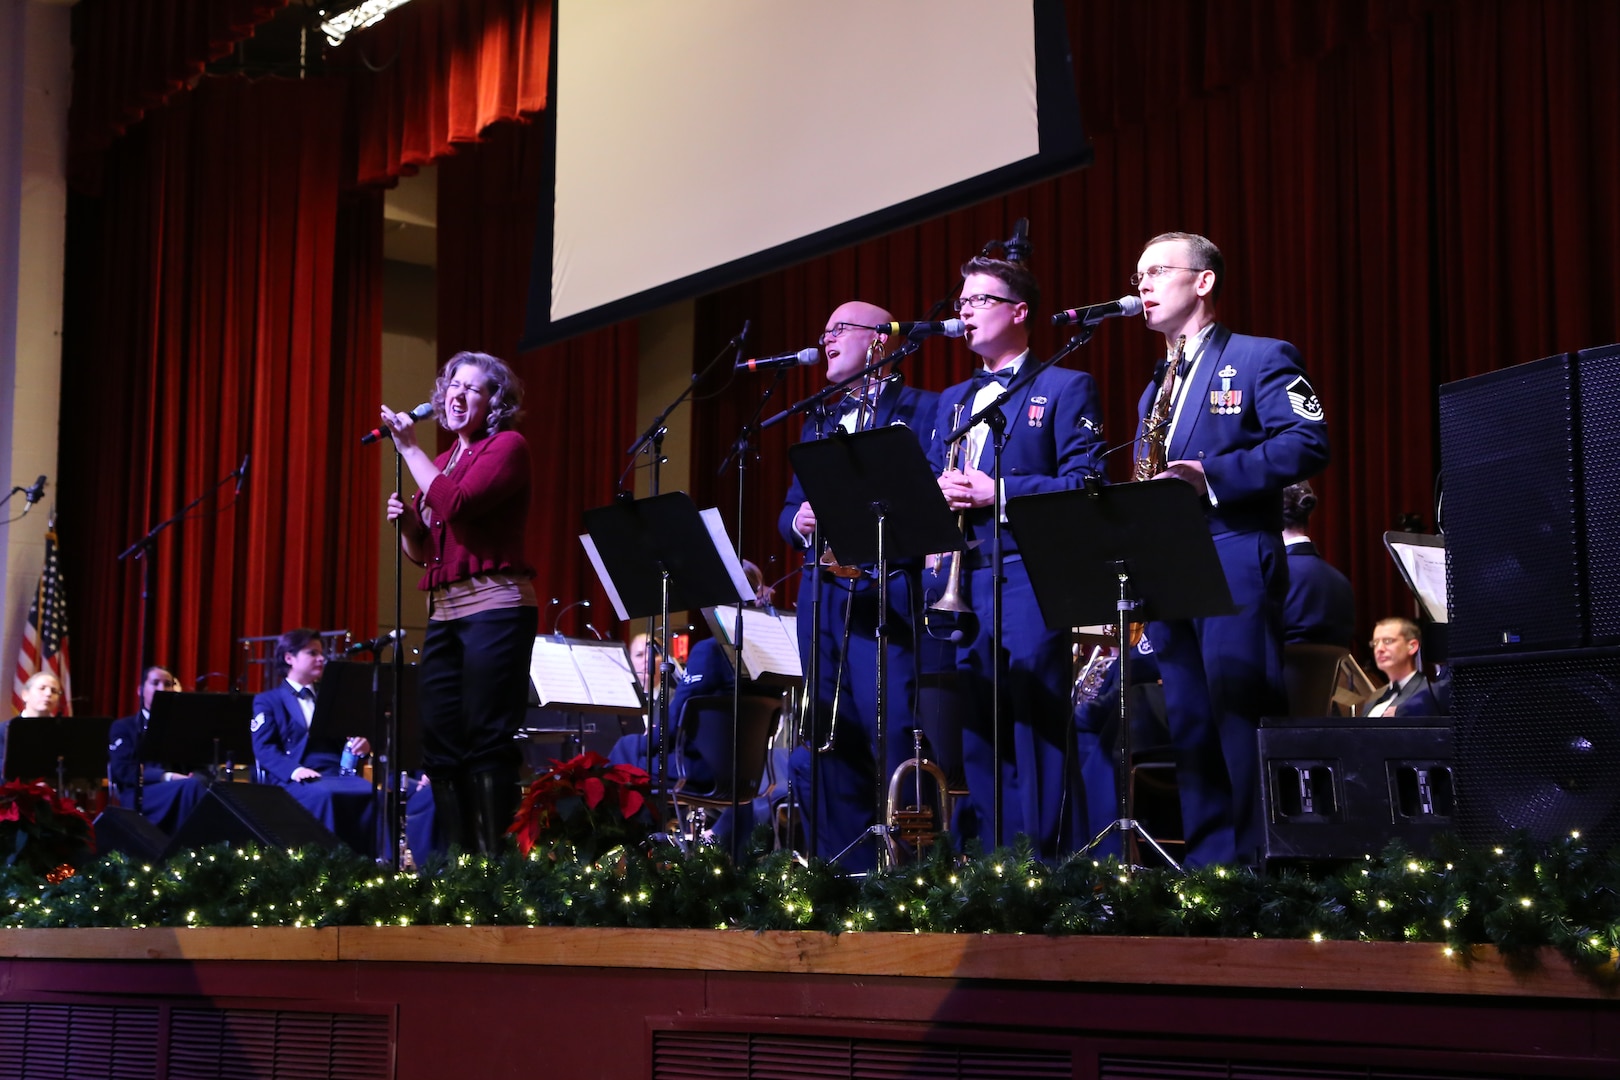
[[605, 670], [769, 647], [722, 544], [557, 679]]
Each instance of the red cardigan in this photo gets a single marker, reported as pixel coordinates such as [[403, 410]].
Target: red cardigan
[[479, 512]]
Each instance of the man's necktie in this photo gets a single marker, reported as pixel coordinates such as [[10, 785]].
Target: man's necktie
[[984, 375]]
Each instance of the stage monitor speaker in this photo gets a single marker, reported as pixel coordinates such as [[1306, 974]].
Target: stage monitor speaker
[[1531, 515], [1538, 746], [1508, 450], [260, 813], [120, 829], [1344, 787], [1599, 371]]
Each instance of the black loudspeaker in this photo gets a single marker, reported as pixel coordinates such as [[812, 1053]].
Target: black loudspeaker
[[261, 813], [1538, 746], [1531, 517], [1344, 787], [119, 829]]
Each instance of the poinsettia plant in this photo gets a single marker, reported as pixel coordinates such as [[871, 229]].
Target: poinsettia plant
[[42, 831], [586, 803]]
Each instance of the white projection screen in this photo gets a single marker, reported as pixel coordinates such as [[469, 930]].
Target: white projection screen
[[703, 142]]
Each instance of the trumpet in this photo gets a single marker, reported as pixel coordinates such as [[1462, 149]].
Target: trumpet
[[951, 599]]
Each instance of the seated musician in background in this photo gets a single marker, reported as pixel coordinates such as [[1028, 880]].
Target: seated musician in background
[[707, 671], [166, 797], [1397, 648], [42, 695], [309, 769], [841, 793], [1321, 607]]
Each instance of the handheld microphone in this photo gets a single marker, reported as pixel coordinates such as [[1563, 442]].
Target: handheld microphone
[[949, 327], [375, 644], [802, 358], [241, 473], [35, 493], [1096, 313], [417, 415]]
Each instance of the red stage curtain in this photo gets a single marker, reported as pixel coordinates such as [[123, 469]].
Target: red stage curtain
[[433, 76], [130, 56], [580, 395], [1409, 192], [203, 328]]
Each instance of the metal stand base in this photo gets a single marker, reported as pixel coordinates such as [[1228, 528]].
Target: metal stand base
[[1130, 830]]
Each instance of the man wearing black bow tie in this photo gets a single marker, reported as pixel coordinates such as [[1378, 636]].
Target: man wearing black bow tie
[[845, 799], [309, 769], [1396, 643], [1053, 441]]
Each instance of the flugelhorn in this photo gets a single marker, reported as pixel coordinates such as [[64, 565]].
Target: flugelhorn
[[951, 599], [915, 823]]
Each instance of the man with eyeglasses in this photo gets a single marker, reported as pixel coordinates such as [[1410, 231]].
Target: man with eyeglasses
[[845, 790], [1053, 441], [1244, 424], [1396, 645]]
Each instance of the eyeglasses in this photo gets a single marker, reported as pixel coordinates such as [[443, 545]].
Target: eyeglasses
[[1377, 641], [838, 329], [980, 300], [1156, 272]]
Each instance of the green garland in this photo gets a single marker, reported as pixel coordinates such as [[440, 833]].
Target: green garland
[[1520, 897]]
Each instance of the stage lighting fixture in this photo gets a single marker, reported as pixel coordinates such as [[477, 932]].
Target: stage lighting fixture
[[337, 26]]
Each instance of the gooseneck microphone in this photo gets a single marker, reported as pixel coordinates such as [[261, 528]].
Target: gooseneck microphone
[[947, 327], [417, 415], [375, 644], [1096, 313], [35, 493], [802, 358]]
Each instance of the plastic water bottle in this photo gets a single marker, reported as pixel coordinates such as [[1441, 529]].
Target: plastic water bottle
[[347, 763]]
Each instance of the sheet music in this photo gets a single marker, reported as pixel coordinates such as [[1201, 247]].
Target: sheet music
[[728, 555], [602, 575], [557, 679], [770, 641], [1424, 567], [606, 673]]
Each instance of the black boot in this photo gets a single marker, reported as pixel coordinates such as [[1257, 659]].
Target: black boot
[[449, 795], [495, 799]]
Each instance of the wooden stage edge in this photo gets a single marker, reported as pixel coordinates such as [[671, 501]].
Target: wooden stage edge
[[1172, 962]]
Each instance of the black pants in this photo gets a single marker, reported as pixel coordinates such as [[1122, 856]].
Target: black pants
[[473, 689]]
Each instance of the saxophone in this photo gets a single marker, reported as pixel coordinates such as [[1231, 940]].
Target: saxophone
[[1152, 444]]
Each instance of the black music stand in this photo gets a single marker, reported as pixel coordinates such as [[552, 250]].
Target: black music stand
[[199, 732], [352, 700], [876, 499], [656, 555], [66, 747], [1131, 553]]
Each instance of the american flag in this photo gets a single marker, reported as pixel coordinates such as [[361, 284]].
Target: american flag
[[45, 636]]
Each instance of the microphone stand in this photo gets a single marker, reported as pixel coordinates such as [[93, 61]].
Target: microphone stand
[[742, 449], [389, 758], [995, 419], [652, 441], [142, 550], [816, 407]]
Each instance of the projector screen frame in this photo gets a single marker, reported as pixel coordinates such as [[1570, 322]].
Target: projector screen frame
[[1063, 147]]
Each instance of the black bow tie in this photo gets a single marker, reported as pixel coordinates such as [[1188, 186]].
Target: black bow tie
[[306, 693], [984, 375]]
